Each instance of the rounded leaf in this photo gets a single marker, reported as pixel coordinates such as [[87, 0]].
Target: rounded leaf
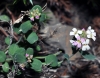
[[32, 38], [12, 49], [20, 51], [19, 58], [16, 30], [66, 56], [30, 51], [4, 18], [38, 48], [37, 6], [51, 60], [25, 26], [7, 40], [43, 18], [36, 65], [2, 56], [5, 67]]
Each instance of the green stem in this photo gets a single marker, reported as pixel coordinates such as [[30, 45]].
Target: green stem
[[57, 53], [43, 57], [8, 59]]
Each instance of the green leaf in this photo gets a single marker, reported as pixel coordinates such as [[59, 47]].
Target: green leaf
[[29, 51], [36, 65], [31, 2], [12, 49], [66, 56], [25, 26], [7, 40], [5, 67], [2, 56], [37, 6], [4, 18], [24, 1], [38, 48], [32, 38], [16, 30], [87, 55], [51, 60], [14, 1], [19, 58], [43, 18], [20, 51]]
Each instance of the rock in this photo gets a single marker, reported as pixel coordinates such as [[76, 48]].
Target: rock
[[59, 34]]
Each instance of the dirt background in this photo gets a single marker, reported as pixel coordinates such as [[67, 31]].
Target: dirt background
[[64, 15]]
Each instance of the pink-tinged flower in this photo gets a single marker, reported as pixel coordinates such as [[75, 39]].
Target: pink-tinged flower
[[78, 42], [22, 66], [27, 55], [32, 19], [85, 45], [83, 29], [91, 33], [37, 17], [75, 43]]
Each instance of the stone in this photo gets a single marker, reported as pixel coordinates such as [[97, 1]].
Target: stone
[[59, 34]]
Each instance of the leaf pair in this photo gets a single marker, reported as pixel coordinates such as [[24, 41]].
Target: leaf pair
[[50, 60]]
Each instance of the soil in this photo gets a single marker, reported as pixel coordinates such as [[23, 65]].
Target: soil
[[78, 17]]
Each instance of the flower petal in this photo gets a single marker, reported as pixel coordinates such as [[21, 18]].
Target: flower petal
[[71, 33], [32, 19], [79, 32], [94, 34], [72, 41], [89, 36], [79, 45], [37, 17], [92, 30], [82, 40], [87, 47], [88, 32], [75, 43], [87, 41], [89, 27], [76, 35], [74, 29], [84, 48], [94, 38]]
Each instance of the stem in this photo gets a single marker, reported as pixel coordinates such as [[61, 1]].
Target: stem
[[8, 59], [57, 53], [19, 40], [43, 57]]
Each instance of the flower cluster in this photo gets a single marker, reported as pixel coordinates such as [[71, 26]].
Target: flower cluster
[[29, 57], [82, 37], [34, 14], [22, 66]]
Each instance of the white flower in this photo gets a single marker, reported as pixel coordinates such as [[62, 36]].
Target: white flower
[[75, 32], [85, 45], [91, 33]]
